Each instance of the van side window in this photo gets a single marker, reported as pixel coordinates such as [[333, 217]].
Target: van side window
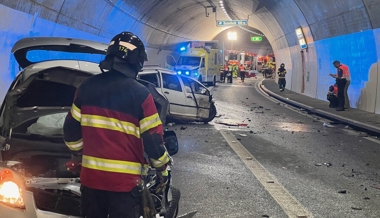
[[171, 82]]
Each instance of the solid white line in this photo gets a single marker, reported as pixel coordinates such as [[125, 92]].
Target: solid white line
[[291, 206]]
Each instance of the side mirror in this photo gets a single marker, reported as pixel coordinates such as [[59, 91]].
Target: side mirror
[[171, 142]]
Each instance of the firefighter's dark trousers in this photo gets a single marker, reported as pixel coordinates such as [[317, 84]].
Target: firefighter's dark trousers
[[282, 83], [106, 204]]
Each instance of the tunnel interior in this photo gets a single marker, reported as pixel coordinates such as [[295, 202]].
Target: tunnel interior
[[344, 30]]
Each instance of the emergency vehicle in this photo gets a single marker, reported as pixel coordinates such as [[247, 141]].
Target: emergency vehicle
[[199, 60]]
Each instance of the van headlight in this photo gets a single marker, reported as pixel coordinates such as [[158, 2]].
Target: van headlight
[[10, 190]]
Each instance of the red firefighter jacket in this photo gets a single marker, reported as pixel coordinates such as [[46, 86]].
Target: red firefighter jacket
[[113, 120]]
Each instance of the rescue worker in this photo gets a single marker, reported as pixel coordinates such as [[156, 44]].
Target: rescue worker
[[225, 71], [235, 70], [221, 70], [332, 96], [341, 76], [242, 72], [347, 76], [281, 77], [229, 74], [112, 122]]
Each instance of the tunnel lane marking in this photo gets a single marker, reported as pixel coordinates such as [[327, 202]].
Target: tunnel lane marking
[[291, 206]]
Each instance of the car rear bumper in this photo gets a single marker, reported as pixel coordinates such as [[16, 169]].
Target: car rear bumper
[[30, 211]]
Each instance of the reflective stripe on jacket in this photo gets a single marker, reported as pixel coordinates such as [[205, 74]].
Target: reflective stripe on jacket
[[113, 121]]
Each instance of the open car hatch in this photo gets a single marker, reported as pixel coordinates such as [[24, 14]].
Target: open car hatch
[[23, 46]]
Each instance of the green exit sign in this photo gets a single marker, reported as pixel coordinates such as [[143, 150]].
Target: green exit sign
[[256, 38]]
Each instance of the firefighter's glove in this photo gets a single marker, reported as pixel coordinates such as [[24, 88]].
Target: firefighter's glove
[[161, 180]]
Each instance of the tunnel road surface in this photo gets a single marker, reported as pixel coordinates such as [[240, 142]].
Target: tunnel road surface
[[285, 163]]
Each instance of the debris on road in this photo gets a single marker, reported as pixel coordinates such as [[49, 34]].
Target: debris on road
[[265, 216], [251, 131], [328, 164], [248, 158], [327, 125], [259, 112], [356, 208], [270, 181], [206, 140], [261, 107], [367, 198], [243, 135], [239, 139], [342, 192], [183, 128], [171, 124], [318, 164]]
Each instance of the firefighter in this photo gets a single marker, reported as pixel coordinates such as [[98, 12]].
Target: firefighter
[[112, 122], [342, 75], [229, 74], [281, 77], [332, 96], [242, 72]]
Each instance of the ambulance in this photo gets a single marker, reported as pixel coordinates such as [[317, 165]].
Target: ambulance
[[200, 60]]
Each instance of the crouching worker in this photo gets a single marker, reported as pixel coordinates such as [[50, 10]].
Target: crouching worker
[[332, 96]]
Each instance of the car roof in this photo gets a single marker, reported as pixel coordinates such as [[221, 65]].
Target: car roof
[[150, 69]]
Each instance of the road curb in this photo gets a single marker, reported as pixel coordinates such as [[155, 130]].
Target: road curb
[[373, 129]]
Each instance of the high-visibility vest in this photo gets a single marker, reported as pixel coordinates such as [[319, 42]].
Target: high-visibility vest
[[335, 91], [346, 71]]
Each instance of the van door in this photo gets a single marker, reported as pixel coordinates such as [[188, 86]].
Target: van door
[[170, 62]]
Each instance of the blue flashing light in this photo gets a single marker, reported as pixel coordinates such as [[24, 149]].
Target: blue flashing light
[[187, 72], [179, 72], [183, 48], [195, 74]]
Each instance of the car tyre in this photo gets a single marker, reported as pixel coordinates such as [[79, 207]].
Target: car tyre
[[211, 115], [174, 204]]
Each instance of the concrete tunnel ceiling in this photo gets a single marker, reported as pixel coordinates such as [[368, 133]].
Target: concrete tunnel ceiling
[[164, 22]]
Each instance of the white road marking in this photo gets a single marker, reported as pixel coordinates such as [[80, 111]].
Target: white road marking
[[291, 206]]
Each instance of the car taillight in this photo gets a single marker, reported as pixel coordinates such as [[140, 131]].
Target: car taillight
[[10, 191]]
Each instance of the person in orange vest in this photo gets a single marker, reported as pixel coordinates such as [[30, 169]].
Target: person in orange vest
[[242, 72], [342, 76], [332, 96]]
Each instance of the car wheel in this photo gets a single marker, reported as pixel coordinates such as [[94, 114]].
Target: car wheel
[[174, 204], [211, 115]]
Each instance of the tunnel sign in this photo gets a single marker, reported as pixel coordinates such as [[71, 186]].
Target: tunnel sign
[[256, 38], [301, 38], [223, 23]]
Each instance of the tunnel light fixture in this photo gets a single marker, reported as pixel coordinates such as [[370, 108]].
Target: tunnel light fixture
[[232, 36]]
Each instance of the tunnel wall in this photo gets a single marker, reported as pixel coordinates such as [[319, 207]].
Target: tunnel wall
[[19, 25]]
